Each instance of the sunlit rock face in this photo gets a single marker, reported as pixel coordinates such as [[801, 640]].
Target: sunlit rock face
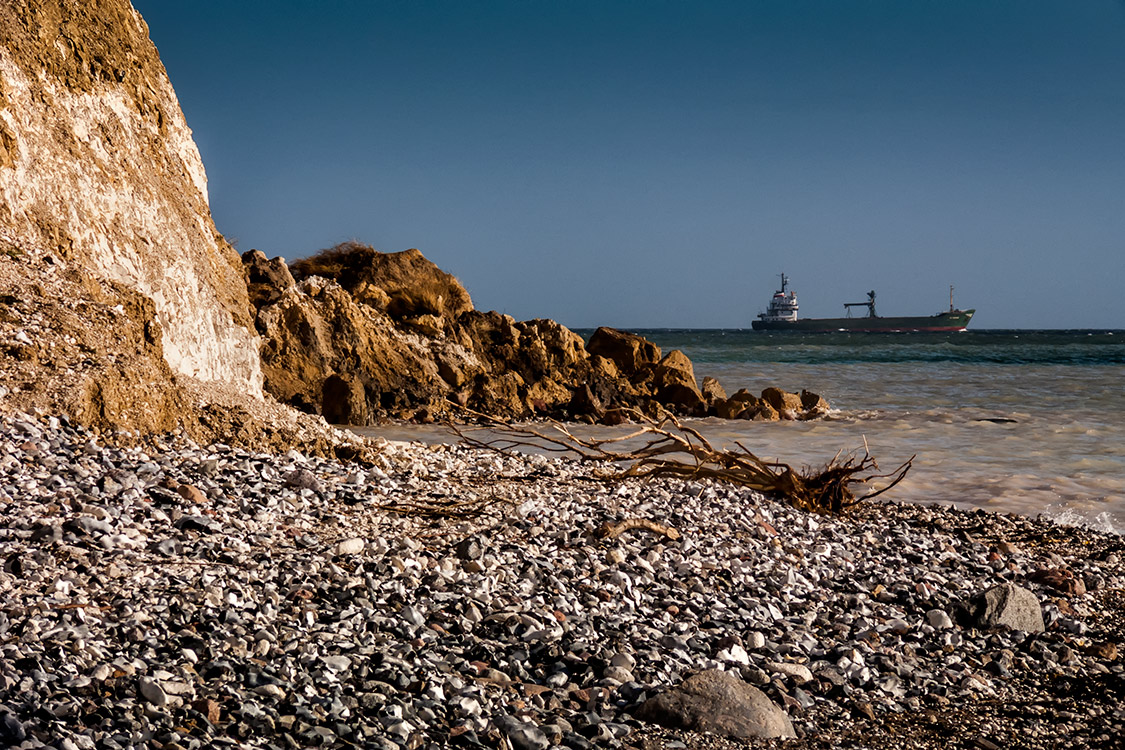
[[99, 171]]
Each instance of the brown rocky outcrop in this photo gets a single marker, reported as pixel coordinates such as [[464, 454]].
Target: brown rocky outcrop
[[363, 335]]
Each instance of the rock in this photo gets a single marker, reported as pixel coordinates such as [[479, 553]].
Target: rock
[[1106, 650], [12, 732], [547, 396], [1061, 580], [318, 342], [523, 736], [152, 691], [812, 405], [733, 407], [799, 672], [303, 479], [760, 412], [192, 494], [405, 283], [782, 401], [719, 703], [1006, 605], [713, 392], [351, 546], [427, 325], [266, 280], [629, 352], [939, 619], [674, 382], [469, 548]]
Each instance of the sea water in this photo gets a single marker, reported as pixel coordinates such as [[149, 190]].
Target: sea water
[[1030, 422]]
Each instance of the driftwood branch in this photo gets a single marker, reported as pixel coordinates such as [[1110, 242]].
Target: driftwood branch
[[668, 448]]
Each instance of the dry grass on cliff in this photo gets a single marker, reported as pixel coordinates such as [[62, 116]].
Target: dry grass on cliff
[[413, 285], [668, 448]]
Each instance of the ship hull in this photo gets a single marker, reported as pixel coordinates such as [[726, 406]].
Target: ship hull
[[944, 322]]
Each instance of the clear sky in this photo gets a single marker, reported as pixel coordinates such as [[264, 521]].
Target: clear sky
[[659, 162]]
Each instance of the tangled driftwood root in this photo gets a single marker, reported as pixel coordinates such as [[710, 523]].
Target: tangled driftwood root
[[672, 449]]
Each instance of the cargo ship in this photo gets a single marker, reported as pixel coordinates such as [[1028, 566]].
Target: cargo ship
[[781, 315]]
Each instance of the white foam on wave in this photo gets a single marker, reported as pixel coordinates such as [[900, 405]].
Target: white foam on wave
[[1102, 521]]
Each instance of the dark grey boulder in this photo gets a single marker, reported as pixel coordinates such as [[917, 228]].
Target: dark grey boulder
[[719, 703], [1006, 605]]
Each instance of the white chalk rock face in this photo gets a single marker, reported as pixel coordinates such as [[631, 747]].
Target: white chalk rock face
[[98, 170]]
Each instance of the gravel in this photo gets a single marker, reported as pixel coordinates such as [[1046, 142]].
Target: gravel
[[178, 596]]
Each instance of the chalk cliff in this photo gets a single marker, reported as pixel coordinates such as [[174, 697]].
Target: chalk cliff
[[99, 175]]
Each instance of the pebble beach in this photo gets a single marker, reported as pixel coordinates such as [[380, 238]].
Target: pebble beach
[[171, 595]]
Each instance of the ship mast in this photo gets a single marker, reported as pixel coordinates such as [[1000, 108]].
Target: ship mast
[[950, 298], [869, 304]]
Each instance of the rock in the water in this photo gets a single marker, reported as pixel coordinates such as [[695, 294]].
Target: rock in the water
[[675, 383], [1006, 605], [782, 401], [720, 703], [712, 390]]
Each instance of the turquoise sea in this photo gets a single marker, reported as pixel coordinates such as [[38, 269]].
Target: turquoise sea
[[1025, 421], [1031, 422]]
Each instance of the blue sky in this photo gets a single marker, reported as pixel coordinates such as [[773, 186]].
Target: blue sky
[[659, 163]]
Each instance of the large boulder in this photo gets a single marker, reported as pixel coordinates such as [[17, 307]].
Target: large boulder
[[718, 703], [813, 405], [99, 174], [1004, 606], [630, 352], [713, 391]]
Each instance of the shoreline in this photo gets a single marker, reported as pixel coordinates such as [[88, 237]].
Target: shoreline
[[792, 438], [180, 596]]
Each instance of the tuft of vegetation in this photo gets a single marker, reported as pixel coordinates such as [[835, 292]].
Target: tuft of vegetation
[[405, 283], [344, 262]]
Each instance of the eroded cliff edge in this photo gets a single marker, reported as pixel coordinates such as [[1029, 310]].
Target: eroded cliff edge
[[99, 176]]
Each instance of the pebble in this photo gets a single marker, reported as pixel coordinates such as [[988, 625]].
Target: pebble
[[280, 604]]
